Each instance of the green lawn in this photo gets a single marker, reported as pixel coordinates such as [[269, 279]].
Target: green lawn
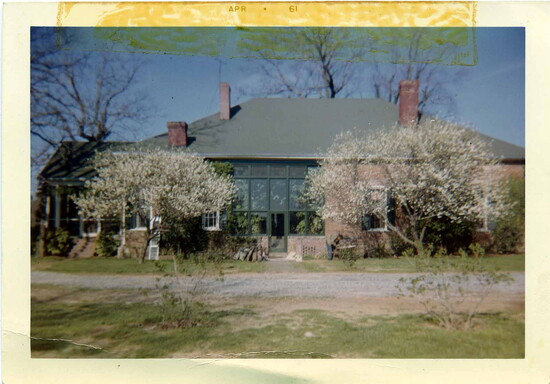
[[514, 262], [123, 330], [130, 266], [99, 265]]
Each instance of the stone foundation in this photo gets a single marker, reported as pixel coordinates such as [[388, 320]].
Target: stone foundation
[[136, 241]]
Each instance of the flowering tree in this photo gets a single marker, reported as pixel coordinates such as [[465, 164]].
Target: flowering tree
[[154, 184], [433, 170]]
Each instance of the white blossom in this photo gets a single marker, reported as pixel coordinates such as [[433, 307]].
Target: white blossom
[[171, 184], [433, 170]]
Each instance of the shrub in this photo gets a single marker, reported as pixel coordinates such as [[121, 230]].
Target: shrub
[[184, 236], [510, 229], [398, 246], [444, 233], [106, 245], [349, 257], [376, 246], [180, 303], [508, 236], [58, 242], [452, 288]]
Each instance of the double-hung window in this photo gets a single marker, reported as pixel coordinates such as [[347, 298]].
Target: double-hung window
[[377, 222], [211, 221]]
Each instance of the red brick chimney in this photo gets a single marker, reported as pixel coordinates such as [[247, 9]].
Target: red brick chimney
[[408, 102], [177, 133], [225, 101]]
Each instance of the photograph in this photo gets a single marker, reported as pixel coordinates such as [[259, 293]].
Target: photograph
[[277, 192]]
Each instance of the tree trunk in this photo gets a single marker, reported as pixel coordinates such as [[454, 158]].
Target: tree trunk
[[120, 253], [144, 253]]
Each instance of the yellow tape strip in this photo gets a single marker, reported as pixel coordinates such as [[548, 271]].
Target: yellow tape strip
[[364, 14]]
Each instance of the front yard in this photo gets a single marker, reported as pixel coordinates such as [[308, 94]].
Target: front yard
[[76, 323], [68, 321], [116, 266]]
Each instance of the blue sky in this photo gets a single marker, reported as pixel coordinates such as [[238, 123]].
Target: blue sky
[[489, 95], [492, 93]]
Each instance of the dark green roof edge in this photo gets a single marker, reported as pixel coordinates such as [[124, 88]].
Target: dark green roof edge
[[268, 128], [72, 159]]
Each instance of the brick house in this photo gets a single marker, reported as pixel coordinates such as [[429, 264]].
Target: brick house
[[271, 144]]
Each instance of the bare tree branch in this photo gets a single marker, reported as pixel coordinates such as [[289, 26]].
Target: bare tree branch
[[305, 62], [80, 96], [413, 56]]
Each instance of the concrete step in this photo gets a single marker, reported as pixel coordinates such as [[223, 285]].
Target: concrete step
[[277, 255], [83, 248], [88, 251]]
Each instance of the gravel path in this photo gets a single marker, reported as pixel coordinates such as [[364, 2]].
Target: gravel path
[[268, 285]]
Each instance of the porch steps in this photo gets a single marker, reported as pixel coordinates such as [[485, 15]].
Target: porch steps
[[84, 248]]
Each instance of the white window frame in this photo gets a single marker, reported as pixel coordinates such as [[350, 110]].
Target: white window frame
[[153, 249], [487, 222], [142, 226], [90, 234], [385, 227], [206, 217]]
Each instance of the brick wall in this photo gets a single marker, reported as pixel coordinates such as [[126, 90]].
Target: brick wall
[[308, 246], [374, 239]]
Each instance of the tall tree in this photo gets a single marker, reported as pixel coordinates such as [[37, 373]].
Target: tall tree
[[155, 185], [435, 170], [305, 62], [80, 96], [427, 55]]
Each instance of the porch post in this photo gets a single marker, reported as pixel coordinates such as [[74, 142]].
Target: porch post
[[122, 247], [57, 210], [80, 226]]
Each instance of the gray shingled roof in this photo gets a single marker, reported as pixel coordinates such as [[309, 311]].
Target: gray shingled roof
[[262, 128], [294, 128], [72, 160]]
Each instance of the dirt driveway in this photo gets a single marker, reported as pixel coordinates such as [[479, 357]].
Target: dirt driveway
[[338, 285]]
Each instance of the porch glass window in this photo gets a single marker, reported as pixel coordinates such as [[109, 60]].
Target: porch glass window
[[258, 223], [277, 171], [297, 171], [258, 194], [240, 170], [316, 224], [258, 170], [298, 223], [296, 188], [241, 201], [238, 223], [278, 195], [268, 189]]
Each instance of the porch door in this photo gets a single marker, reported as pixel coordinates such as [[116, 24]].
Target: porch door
[[277, 235]]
